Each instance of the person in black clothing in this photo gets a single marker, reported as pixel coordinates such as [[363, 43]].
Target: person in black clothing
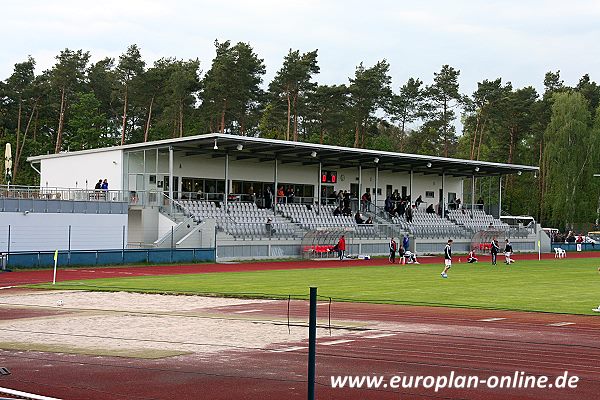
[[393, 248], [418, 201], [447, 258], [494, 250], [508, 249], [430, 209], [347, 212], [337, 211], [268, 197]]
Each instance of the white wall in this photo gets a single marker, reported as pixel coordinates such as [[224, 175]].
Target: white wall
[[70, 171], [50, 231]]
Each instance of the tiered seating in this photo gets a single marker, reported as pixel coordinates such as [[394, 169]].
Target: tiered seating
[[311, 219], [242, 220], [476, 220], [428, 225]]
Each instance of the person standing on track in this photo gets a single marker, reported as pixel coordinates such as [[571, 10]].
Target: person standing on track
[[393, 248], [447, 258], [341, 247]]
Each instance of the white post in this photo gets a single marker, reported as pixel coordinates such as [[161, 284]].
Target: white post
[[376, 187], [275, 178], [170, 178], [359, 182], [500, 198], [226, 180], [443, 199], [412, 200], [473, 194], [55, 262], [319, 188]]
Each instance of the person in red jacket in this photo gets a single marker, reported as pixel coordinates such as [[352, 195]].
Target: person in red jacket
[[341, 247]]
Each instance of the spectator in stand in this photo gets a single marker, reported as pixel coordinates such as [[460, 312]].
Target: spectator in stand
[[471, 257], [346, 199], [401, 208], [388, 205], [346, 212], [396, 199], [337, 212], [340, 198], [369, 221], [289, 194], [269, 227], [105, 185], [430, 209], [570, 237], [98, 185], [419, 201], [359, 218], [251, 194], [280, 195], [365, 200], [458, 204], [409, 214], [480, 203], [268, 198], [579, 239]]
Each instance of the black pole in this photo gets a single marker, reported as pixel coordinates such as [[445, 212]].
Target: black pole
[[312, 343]]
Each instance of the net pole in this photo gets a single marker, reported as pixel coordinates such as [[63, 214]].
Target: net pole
[[312, 343]]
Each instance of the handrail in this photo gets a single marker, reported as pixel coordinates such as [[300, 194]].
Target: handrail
[[171, 234]]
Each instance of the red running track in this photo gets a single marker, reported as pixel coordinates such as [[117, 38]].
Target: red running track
[[23, 277], [394, 340]]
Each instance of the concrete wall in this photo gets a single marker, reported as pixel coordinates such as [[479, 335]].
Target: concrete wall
[[72, 171], [50, 231]]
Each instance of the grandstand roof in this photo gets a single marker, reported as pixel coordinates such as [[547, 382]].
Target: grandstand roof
[[262, 149]]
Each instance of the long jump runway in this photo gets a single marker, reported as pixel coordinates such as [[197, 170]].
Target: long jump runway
[[373, 340]]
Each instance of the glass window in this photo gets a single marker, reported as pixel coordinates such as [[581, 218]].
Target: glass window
[[163, 160], [136, 162], [150, 163]]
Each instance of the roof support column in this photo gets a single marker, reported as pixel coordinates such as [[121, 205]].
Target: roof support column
[[410, 187], [443, 199], [500, 198], [359, 181], [275, 178], [225, 201], [319, 189], [170, 179], [376, 187], [472, 193]]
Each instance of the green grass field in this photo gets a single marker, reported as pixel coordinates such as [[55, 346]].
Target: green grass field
[[560, 286]]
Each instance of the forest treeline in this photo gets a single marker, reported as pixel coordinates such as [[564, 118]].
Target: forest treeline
[[78, 105]]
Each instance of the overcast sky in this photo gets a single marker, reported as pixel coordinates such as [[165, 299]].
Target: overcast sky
[[518, 40]]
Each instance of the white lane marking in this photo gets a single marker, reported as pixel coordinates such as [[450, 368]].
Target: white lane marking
[[25, 394], [7, 287], [246, 311], [491, 319], [337, 342], [285, 349], [322, 304], [562, 324], [380, 335]]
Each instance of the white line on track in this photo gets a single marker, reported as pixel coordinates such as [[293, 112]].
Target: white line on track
[[25, 394], [380, 335], [491, 319], [337, 342], [7, 287], [286, 349], [562, 324], [322, 304], [246, 311]]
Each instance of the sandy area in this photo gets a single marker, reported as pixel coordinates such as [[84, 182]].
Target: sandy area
[[129, 328]]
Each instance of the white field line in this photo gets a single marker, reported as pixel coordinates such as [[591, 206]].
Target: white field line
[[337, 342], [491, 319], [562, 324], [286, 349], [7, 287], [379, 336], [25, 394], [246, 311]]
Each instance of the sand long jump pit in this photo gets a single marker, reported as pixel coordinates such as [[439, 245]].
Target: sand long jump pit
[[138, 325]]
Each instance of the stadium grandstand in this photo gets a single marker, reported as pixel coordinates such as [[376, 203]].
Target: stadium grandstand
[[258, 198]]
